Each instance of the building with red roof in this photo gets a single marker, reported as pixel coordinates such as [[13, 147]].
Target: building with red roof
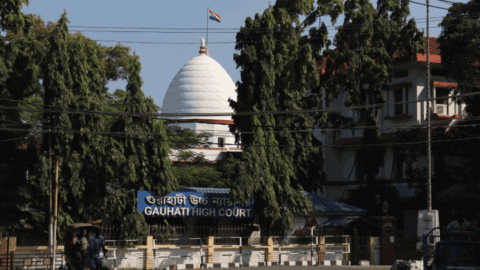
[[344, 165]]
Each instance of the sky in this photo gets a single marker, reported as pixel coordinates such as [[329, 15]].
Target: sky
[[161, 62]]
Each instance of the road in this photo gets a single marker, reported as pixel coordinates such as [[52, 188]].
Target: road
[[346, 267]]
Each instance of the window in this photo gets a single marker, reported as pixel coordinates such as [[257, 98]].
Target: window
[[359, 166], [221, 142], [398, 98], [442, 93], [400, 94], [401, 73], [441, 104]]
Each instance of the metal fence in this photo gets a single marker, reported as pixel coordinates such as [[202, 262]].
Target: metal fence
[[163, 256], [179, 235], [320, 231], [31, 237]]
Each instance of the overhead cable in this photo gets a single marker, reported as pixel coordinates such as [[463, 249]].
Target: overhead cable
[[429, 5], [13, 139], [254, 41], [225, 28], [313, 129], [156, 115], [120, 134]]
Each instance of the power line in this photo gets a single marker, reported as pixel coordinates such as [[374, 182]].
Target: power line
[[248, 42], [269, 30], [313, 129], [13, 139], [224, 28], [157, 115], [448, 2], [119, 134], [349, 26], [245, 42], [429, 5]]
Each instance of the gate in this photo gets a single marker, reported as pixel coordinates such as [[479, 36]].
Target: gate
[[364, 248], [361, 249], [406, 246]]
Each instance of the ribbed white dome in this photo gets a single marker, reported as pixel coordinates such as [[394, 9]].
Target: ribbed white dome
[[201, 86]]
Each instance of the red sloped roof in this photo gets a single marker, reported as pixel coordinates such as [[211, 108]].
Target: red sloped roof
[[434, 53]]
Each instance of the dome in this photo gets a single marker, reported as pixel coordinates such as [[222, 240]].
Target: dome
[[202, 85]]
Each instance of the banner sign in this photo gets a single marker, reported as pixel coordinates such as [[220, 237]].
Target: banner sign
[[191, 204]]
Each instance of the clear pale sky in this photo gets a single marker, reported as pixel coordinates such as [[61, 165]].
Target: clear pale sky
[[161, 62]]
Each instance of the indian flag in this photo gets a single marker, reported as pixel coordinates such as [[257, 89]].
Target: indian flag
[[214, 16]]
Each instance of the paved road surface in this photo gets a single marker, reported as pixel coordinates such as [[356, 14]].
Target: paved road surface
[[346, 267]]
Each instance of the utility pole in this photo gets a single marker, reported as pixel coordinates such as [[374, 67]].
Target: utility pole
[[55, 217], [50, 191], [429, 134]]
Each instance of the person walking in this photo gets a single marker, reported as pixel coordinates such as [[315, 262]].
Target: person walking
[[96, 242], [75, 253], [84, 241]]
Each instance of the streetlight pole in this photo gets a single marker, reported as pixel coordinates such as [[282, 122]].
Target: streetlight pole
[[51, 241], [429, 133]]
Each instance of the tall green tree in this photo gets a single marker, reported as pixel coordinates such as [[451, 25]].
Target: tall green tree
[[144, 163], [459, 43], [278, 65], [362, 62], [26, 73], [57, 86], [98, 175], [19, 70]]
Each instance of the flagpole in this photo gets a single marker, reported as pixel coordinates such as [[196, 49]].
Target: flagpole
[[207, 28]]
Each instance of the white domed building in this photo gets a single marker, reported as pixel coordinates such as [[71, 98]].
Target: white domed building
[[202, 85]]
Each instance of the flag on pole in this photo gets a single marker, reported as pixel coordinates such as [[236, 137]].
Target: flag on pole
[[214, 16]]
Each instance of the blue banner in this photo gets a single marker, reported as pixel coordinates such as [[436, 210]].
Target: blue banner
[[191, 204]]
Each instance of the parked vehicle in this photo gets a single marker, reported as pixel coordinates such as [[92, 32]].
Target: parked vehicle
[[76, 228], [457, 249]]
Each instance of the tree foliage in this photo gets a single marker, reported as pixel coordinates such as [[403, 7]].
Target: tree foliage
[[362, 62], [454, 182], [277, 71], [203, 174], [19, 67], [46, 66], [275, 75], [459, 43]]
